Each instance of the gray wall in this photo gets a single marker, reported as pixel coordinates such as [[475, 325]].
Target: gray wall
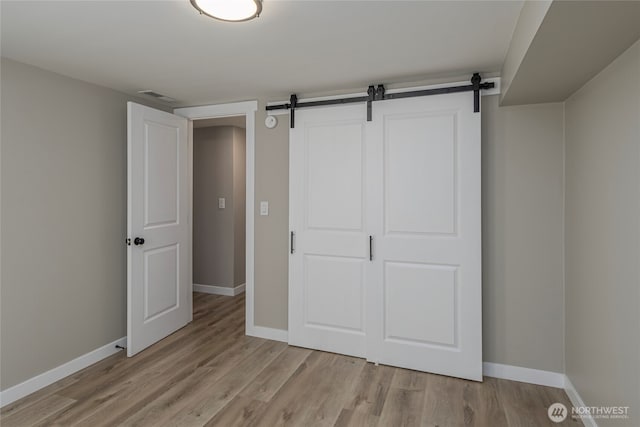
[[219, 234], [239, 205], [603, 238], [522, 228], [522, 232], [272, 231], [531, 16], [213, 227], [63, 173]]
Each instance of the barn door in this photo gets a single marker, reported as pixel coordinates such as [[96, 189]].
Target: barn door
[[425, 295], [386, 260], [328, 261]]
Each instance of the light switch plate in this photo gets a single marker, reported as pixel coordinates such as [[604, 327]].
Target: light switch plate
[[264, 208], [221, 203]]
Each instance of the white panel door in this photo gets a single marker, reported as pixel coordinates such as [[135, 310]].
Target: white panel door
[[159, 298], [327, 275], [424, 298]]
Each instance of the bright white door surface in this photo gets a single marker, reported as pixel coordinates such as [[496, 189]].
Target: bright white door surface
[[425, 295], [410, 179], [328, 173], [159, 299]]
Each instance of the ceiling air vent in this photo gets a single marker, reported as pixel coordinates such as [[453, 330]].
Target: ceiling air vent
[[157, 96]]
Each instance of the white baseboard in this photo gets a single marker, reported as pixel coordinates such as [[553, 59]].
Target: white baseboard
[[219, 290], [525, 375], [34, 384], [577, 401], [268, 333]]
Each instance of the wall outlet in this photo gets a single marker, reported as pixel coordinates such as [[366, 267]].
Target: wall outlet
[[264, 208], [221, 203]]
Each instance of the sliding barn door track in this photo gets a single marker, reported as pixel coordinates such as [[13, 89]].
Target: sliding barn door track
[[379, 94]]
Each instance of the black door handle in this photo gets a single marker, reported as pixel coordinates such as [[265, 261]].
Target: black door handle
[[138, 241]]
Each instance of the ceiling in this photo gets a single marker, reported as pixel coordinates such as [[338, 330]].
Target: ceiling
[[573, 43], [294, 47]]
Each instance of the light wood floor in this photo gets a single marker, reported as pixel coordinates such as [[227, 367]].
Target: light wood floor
[[209, 373]]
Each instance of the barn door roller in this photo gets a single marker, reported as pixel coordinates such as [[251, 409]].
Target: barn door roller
[[379, 94]]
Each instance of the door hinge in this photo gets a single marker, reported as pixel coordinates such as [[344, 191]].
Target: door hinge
[[128, 241]]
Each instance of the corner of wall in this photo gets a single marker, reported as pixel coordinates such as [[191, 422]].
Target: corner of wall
[[564, 238], [527, 25]]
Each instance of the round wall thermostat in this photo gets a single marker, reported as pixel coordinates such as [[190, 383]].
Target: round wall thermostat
[[270, 122]]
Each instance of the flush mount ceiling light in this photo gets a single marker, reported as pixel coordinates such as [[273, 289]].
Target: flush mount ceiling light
[[229, 10]]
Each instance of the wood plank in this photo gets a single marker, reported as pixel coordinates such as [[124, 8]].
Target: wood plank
[[207, 404], [525, 405], [41, 394], [138, 394], [481, 404], [168, 392], [403, 407], [409, 380], [316, 393], [371, 389], [271, 379], [35, 413], [443, 402], [191, 335], [356, 418], [241, 411], [291, 403], [333, 389], [178, 396], [210, 373], [116, 395]]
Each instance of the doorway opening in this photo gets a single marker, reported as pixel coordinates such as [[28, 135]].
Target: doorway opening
[[219, 206], [231, 114]]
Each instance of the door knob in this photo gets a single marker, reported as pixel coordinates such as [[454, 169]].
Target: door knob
[[138, 241]]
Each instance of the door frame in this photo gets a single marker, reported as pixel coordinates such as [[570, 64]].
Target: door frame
[[247, 109]]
